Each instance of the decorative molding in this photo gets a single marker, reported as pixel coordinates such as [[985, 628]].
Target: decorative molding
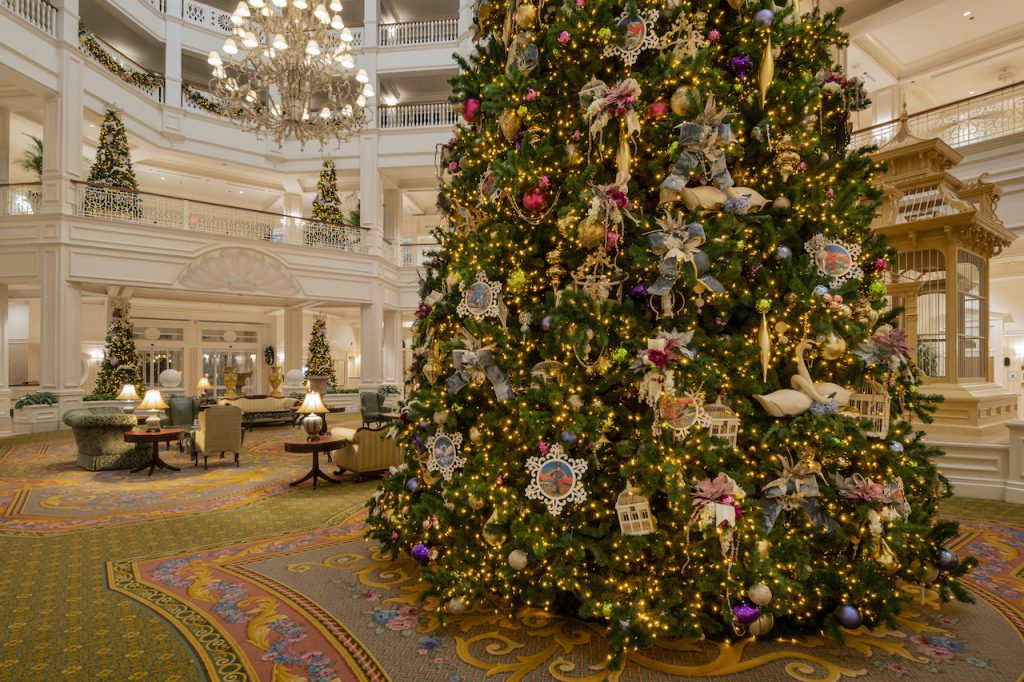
[[239, 270]]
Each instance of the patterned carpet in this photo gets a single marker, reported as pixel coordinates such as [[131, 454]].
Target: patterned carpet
[[315, 600], [42, 489], [325, 605]]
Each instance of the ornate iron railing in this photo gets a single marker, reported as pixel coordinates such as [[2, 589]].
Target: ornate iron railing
[[39, 13], [426, 115], [983, 117], [21, 199], [419, 32], [206, 16], [416, 254]]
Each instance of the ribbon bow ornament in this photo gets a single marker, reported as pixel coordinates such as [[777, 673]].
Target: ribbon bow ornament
[[604, 103], [795, 488], [677, 245], [473, 366], [701, 141]]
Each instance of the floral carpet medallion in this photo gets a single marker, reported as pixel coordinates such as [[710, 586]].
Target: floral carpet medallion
[[325, 605], [43, 490]]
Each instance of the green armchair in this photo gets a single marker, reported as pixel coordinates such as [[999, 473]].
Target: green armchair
[[99, 434], [372, 407], [182, 411]]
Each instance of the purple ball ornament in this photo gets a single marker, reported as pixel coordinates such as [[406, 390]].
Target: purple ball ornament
[[545, 322], [568, 437], [746, 613], [413, 484], [638, 292], [764, 17], [741, 66], [421, 554], [848, 616]]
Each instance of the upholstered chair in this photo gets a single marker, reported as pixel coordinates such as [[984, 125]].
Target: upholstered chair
[[220, 430], [372, 406], [182, 411], [99, 435], [368, 450]]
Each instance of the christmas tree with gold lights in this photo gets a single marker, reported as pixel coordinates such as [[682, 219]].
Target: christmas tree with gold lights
[[656, 381], [120, 364], [318, 353], [326, 204], [113, 190]]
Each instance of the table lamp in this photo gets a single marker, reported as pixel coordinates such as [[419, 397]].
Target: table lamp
[[128, 393], [153, 402], [203, 386], [313, 406]]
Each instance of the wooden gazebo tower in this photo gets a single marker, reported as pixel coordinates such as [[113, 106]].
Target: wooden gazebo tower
[[946, 232]]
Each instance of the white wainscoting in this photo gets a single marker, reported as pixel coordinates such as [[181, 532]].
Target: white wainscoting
[[986, 471]]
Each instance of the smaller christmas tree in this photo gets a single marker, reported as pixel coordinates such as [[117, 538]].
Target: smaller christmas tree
[[319, 362], [326, 204], [113, 165], [120, 359]]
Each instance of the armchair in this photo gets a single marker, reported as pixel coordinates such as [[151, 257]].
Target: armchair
[[220, 430], [368, 450], [372, 407], [182, 411], [99, 435]]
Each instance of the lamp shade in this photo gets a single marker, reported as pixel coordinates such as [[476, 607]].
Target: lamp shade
[[204, 383], [128, 392], [153, 401], [313, 404]]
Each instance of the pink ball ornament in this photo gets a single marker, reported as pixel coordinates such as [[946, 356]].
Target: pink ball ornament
[[471, 110], [564, 37], [535, 200], [714, 35], [656, 110], [881, 264]]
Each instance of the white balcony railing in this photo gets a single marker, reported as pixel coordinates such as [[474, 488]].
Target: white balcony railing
[[417, 254], [206, 16], [39, 13], [419, 32], [426, 115], [143, 208], [20, 199], [984, 117]]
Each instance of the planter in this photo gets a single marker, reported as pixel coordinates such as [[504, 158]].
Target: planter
[[36, 418], [318, 383], [243, 379], [230, 382], [275, 378]]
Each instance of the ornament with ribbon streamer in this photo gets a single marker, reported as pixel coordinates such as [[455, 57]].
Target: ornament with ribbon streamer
[[701, 141], [474, 366], [678, 244], [604, 103], [795, 488]]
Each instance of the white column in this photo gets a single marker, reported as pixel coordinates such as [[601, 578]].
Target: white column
[[5, 148], [393, 347], [172, 54], [5, 391], [370, 197], [371, 344], [392, 215], [371, 19], [62, 137], [293, 233], [60, 333], [294, 343]]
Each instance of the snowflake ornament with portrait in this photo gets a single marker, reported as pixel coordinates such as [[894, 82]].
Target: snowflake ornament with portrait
[[443, 453], [482, 298], [556, 479], [639, 36], [835, 258]]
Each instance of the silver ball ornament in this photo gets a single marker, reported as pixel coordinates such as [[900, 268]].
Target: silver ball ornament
[[783, 253], [760, 594], [848, 616], [947, 560], [782, 203], [517, 559], [764, 17], [457, 606], [762, 626], [820, 290]]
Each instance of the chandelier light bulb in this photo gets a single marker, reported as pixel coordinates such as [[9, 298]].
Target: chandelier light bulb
[[305, 115], [264, 11], [256, 3], [219, 72], [336, 23], [347, 62], [335, 5], [250, 96], [299, 4], [250, 40], [280, 3], [237, 19], [325, 113], [242, 10], [321, 13], [362, 76], [361, 100], [213, 59], [312, 49], [346, 35], [279, 42], [368, 90], [230, 47], [346, 111]]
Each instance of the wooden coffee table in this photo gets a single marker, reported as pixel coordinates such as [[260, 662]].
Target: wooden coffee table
[[154, 437], [315, 447]]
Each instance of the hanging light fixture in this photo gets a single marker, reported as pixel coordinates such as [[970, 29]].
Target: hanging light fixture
[[284, 61]]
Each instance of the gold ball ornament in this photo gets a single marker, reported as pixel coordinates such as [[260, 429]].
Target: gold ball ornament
[[510, 123], [457, 606], [760, 594], [429, 477], [517, 559], [475, 503], [576, 402], [474, 434], [441, 417], [680, 100], [762, 626], [782, 203], [526, 15], [591, 233], [833, 346]]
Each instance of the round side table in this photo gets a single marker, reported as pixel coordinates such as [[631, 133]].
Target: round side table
[[314, 447], [154, 437]]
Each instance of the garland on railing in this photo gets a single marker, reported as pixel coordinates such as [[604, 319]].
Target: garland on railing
[[200, 100], [140, 79]]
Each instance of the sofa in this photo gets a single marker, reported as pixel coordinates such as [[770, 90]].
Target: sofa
[[99, 435], [368, 450], [263, 409]]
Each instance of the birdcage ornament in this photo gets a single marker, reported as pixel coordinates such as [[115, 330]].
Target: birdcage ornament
[[873, 406], [634, 512], [723, 422]]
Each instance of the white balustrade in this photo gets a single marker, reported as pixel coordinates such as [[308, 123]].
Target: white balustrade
[[357, 38], [143, 208], [20, 199], [419, 32], [426, 115], [39, 13], [418, 254], [206, 16], [969, 121]]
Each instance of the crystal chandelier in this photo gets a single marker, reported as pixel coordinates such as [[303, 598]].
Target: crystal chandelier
[[288, 72]]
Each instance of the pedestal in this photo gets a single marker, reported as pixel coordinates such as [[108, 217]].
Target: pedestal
[[971, 413]]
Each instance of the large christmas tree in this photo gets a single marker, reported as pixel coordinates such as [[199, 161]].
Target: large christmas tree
[[113, 165], [656, 383], [318, 354], [120, 364], [326, 204]]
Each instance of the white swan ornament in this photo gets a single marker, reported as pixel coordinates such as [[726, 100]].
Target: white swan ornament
[[794, 402]]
